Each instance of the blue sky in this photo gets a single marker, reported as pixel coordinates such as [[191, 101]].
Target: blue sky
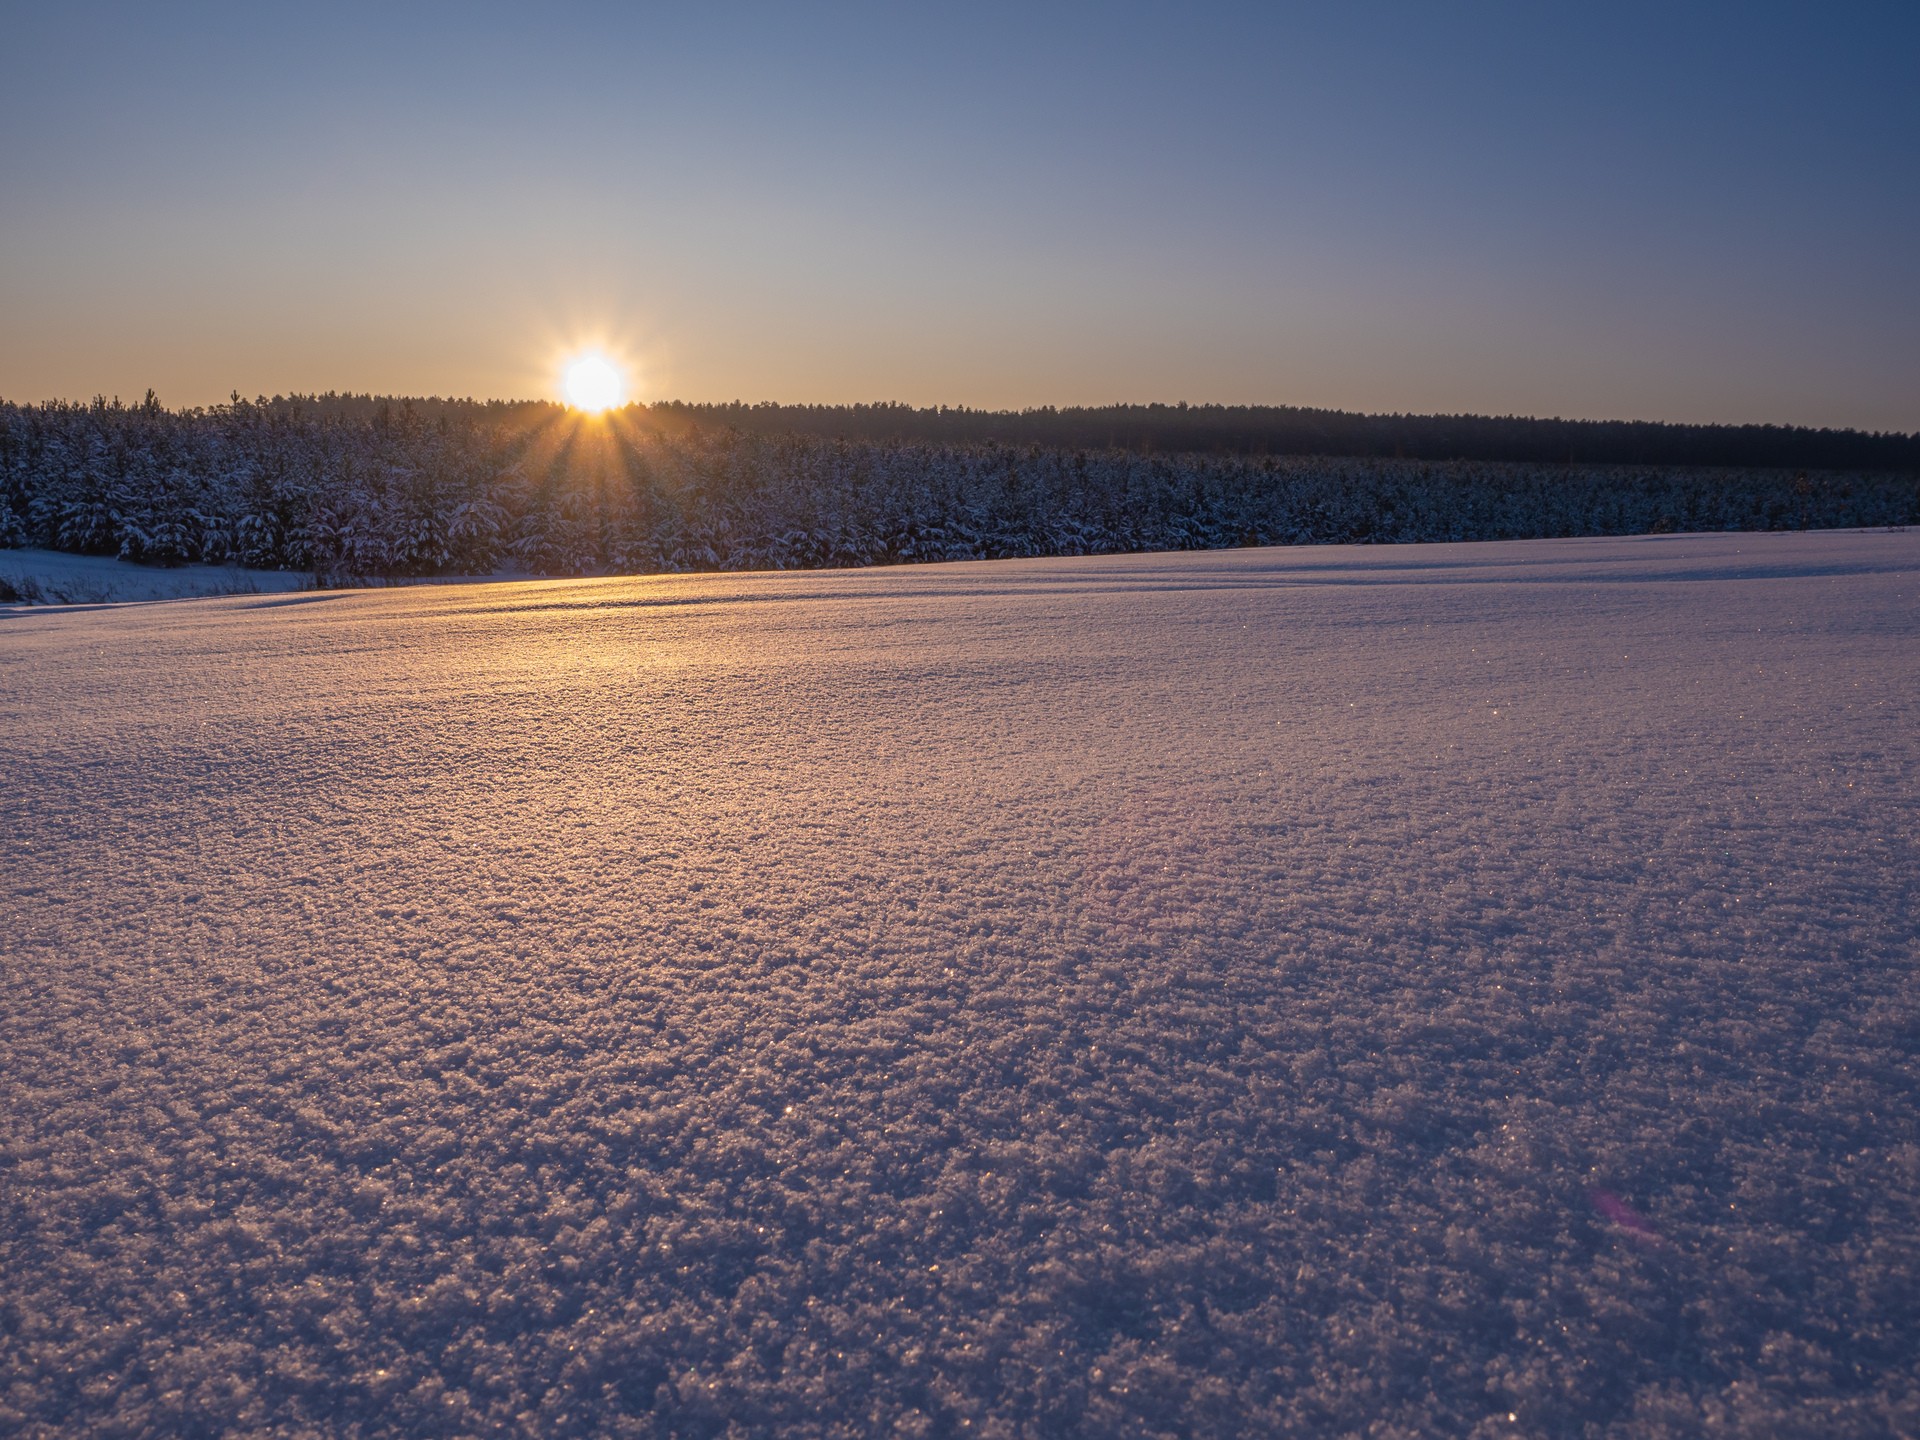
[[1682, 212]]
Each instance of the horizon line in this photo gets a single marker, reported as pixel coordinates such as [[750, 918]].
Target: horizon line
[[151, 399]]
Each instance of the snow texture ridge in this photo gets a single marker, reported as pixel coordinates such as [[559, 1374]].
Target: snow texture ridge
[[1360, 991]]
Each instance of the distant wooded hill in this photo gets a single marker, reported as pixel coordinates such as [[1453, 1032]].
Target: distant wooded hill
[[1287, 430], [1256, 430]]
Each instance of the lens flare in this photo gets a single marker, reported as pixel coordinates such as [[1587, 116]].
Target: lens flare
[[593, 383]]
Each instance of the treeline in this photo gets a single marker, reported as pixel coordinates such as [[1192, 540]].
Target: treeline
[[1252, 430], [350, 486], [1259, 430]]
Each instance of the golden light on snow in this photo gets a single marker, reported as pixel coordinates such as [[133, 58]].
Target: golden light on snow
[[593, 383]]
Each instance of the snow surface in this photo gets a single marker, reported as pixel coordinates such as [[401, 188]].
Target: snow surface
[[1391, 991], [55, 578]]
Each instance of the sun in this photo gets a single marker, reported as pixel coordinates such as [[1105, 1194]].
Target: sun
[[593, 383]]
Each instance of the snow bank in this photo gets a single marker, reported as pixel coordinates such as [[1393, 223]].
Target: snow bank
[[1447, 990], [50, 577]]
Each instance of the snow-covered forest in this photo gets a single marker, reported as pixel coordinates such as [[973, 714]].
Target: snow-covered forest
[[393, 488]]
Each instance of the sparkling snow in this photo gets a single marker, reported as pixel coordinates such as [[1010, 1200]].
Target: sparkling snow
[[1393, 990]]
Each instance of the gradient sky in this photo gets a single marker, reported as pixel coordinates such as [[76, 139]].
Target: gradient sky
[[1698, 212]]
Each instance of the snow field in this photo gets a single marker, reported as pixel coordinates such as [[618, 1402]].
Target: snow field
[[1389, 990]]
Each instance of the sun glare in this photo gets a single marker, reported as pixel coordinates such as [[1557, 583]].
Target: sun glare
[[593, 383]]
